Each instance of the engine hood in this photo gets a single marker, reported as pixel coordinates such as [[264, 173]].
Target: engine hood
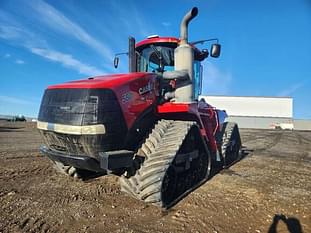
[[104, 81]]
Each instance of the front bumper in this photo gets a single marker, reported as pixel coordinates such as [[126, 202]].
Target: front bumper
[[108, 161]]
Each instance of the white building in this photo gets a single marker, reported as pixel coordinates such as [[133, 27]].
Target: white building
[[255, 112]]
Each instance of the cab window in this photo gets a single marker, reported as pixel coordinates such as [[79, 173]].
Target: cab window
[[197, 76], [155, 58]]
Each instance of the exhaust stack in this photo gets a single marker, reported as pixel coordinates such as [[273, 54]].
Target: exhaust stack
[[184, 25], [132, 55], [183, 56]]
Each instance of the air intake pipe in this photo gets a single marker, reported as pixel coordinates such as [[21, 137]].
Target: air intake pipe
[[183, 56]]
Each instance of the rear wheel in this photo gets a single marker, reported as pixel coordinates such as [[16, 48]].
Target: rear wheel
[[176, 162]]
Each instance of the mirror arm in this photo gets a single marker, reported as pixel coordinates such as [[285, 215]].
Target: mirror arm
[[124, 53], [203, 41], [118, 54]]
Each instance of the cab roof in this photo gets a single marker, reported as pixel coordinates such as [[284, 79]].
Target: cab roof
[[157, 40], [168, 40]]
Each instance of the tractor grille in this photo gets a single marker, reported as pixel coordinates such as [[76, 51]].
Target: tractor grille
[[80, 107], [64, 143]]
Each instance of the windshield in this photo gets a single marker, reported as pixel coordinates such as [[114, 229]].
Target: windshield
[[159, 57], [156, 59]]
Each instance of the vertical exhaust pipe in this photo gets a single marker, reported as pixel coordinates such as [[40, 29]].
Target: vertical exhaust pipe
[[184, 25], [132, 55], [184, 57]]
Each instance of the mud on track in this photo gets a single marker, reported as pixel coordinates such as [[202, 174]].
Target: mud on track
[[273, 178]]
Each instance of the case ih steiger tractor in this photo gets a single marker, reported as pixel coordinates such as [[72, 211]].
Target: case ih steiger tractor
[[147, 126]]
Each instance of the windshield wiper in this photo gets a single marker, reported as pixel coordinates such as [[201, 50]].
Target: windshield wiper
[[159, 55]]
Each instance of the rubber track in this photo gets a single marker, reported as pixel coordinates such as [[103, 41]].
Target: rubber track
[[226, 141], [227, 136], [159, 150]]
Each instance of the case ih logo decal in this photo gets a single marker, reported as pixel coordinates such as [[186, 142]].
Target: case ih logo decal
[[145, 89], [126, 97]]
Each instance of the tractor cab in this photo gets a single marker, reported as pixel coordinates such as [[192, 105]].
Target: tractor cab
[[156, 55]]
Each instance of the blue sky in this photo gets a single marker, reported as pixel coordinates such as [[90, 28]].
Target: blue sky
[[266, 45]]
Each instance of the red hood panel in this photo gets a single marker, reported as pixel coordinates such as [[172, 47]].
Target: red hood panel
[[105, 81]]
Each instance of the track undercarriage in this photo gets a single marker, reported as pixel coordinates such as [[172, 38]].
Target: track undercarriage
[[175, 161]]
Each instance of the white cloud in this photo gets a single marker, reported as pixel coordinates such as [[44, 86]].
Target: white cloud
[[166, 24], [8, 32], [19, 35], [291, 90], [7, 55], [215, 81], [59, 22], [67, 60], [19, 61]]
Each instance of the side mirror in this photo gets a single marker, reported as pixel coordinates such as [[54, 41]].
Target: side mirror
[[116, 62], [215, 50]]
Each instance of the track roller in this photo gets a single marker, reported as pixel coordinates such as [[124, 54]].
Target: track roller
[[65, 169], [74, 172]]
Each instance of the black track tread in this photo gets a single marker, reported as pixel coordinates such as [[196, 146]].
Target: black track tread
[[227, 137], [160, 149]]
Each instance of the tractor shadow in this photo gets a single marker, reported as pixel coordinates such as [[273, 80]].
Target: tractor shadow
[[89, 176], [10, 129], [292, 223]]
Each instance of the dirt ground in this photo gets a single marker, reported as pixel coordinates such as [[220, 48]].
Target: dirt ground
[[273, 178]]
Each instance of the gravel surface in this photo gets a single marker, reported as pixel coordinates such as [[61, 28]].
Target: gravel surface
[[272, 179]]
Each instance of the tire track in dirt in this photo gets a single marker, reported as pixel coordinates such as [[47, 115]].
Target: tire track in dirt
[[180, 217], [33, 223], [263, 143], [25, 172], [37, 224], [23, 157], [302, 139], [21, 218], [273, 142]]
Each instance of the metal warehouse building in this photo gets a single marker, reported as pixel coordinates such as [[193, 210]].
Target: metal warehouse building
[[255, 112]]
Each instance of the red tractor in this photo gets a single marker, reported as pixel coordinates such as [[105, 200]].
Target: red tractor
[[146, 126]]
